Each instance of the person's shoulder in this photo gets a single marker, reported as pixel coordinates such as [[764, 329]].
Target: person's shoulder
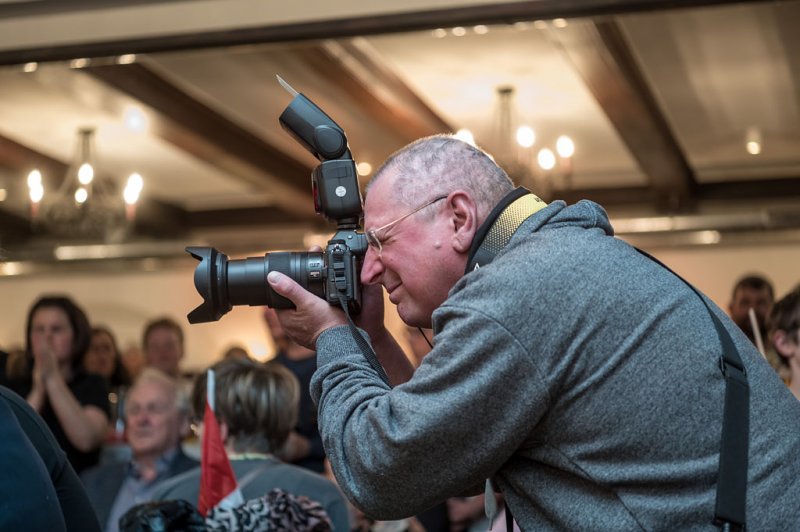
[[10, 396], [99, 473]]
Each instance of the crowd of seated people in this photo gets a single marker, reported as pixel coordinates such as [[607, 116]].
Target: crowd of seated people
[[57, 391]]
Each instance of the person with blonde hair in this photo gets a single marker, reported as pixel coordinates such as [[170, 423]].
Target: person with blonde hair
[[256, 406]]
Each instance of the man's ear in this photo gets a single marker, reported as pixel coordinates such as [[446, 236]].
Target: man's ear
[[783, 343], [223, 431], [464, 219]]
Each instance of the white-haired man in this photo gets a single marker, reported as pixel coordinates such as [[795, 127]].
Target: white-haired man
[[156, 420], [579, 375]]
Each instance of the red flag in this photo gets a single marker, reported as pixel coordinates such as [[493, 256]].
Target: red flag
[[218, 485]]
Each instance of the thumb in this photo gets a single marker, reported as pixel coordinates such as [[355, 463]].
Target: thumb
[[288, 288]]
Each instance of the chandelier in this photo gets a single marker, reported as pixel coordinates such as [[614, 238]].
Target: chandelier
[[543, 167], [85, 205]]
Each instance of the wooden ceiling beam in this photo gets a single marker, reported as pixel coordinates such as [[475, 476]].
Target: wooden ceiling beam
[[420, 19], [350, 66], [21, 160], [602, 57], [211, 137], [757, 190]]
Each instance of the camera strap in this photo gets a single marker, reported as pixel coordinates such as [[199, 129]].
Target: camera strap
[[731, 501], [501, 224]]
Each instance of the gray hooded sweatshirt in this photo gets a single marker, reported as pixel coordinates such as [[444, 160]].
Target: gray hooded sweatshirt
[[579, 375]]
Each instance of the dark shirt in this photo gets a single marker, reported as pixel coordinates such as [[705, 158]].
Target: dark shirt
[[307, 414], [88, 389], [26, 498]]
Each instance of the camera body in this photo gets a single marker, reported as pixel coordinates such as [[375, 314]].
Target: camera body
[[332, 274]]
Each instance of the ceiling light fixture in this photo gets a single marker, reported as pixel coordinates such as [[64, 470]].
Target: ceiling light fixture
[[515, 148], [86, 205], [753, 141]]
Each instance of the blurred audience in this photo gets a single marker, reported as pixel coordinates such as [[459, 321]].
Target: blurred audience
[[157, 418], [133, 360], [256, 406], [784, 333], [104, 358], [756, 292], [304, 446], [72, 402], [236, 351], [162, 342]]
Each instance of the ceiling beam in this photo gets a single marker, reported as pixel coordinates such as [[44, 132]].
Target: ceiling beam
[[350, 66], [488, 13], [13, 228], [757, 190], [245, 217], [21, 160], [211, 137], [602, 57]]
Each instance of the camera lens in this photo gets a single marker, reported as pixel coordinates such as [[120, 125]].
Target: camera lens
[[247, 279], [223, 283]]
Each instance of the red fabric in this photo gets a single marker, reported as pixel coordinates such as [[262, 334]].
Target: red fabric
[[217, 479]]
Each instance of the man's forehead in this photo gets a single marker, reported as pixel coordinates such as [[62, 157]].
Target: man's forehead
[[380, 202], [149, 391]]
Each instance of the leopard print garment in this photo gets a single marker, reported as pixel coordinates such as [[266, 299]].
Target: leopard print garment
[[276, 511]]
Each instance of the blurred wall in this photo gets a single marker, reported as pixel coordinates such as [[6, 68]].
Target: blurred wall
[[126, 301]]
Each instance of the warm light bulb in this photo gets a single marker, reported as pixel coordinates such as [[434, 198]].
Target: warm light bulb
[[36, 193], [34, 178], [565, 147], [546, 159], [466, 136], [753, 140], [133, 188], [364, 168], [85, 174], [526, 137], [81, 195]]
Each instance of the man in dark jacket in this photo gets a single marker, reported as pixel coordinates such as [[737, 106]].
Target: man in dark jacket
[[157, 418]]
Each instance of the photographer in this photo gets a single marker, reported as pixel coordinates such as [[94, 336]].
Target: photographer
[[579, 375]]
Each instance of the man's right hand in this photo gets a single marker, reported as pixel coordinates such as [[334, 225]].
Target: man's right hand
[[311, 314]]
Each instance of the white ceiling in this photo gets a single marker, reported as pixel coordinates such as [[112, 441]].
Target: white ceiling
[[703, 76]]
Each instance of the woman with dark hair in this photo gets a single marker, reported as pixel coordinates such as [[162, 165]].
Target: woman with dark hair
[[104, 358], [73, 403]]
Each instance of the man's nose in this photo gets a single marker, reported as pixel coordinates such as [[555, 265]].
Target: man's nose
[[372, 268]]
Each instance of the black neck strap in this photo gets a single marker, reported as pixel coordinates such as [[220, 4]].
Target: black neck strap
[[501, 224], [729, 511]]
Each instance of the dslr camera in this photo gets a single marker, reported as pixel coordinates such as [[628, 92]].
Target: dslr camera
[[332, 274]]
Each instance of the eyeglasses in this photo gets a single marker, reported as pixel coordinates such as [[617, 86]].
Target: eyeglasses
[[372, 234]]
